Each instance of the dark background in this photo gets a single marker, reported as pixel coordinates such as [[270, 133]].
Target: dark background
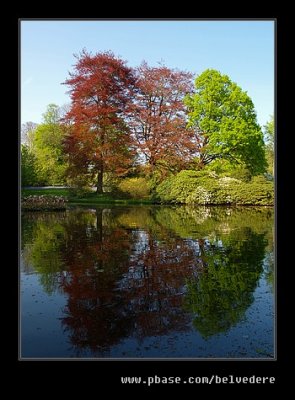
[[102, 378]]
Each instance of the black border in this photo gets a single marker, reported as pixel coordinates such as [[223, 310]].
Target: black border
[[108, 373]]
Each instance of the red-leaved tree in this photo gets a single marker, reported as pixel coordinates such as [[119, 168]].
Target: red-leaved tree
[[159, 119], [101, 88]]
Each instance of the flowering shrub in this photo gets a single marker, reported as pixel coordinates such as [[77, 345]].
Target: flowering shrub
[[198, 187], [43, 203]]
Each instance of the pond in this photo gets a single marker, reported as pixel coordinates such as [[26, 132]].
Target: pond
[[147, 282]]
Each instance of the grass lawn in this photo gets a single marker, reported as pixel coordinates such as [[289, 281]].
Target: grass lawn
[[92, 198], [49, 192]]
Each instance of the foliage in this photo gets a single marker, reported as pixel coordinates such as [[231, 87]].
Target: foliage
[[225, 168], [258, 191], [52, 116], [225, 124], [44, 144], [208, 188], [240, 173], [137, 188], [176, 188], [81, 196], [127, 132], [158, 121], [46, 150], [269, 134], [80, 185], [98, 141], [110, 182], [28, 167]]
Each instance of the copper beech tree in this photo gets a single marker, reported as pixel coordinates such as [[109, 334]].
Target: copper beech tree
[[159, 120], [116, 112], [101, 88]]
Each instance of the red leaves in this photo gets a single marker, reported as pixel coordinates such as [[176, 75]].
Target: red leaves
[[159, 120], [116, 112], [100, 88]]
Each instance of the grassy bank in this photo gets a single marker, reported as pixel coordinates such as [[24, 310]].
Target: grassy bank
[[46, 192], [186, 187]]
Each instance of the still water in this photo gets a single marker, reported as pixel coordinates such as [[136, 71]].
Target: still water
[[147, 282]]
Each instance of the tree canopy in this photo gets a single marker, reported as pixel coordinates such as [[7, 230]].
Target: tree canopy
[[100, 88], [43, 158], [48, 148], [28, 134], [28, 172], [150, 121], [159, 121], [225, 124]]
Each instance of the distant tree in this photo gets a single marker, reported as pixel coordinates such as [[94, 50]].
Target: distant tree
[[27, 133], [48, 148], [159, 119], [269, 135], [28, 167], [269, 131], [52, 115], [101, 89], [225, 123]]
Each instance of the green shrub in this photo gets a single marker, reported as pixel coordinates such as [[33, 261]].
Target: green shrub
[[177, 188], [207, 188], [135, 188], [241, 174], [226, 168], [258, 191]]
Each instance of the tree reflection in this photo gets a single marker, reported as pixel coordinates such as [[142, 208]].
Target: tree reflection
[[42, 238], [143, 271], [125, 282], [219, 297], [97, 255]]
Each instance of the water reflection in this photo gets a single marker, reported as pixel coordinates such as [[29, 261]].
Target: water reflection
[[220, 296], [147, 271]]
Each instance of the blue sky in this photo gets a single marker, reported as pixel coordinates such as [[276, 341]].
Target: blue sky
[[244, 50]]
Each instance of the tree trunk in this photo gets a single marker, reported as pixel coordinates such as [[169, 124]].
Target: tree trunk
[[100, 264], [99, 188], [99, 224]]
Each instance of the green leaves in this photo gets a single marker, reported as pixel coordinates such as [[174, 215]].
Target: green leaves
[[220, 111], [51, 162], [28, 171], [206, 188], [43, 160]]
